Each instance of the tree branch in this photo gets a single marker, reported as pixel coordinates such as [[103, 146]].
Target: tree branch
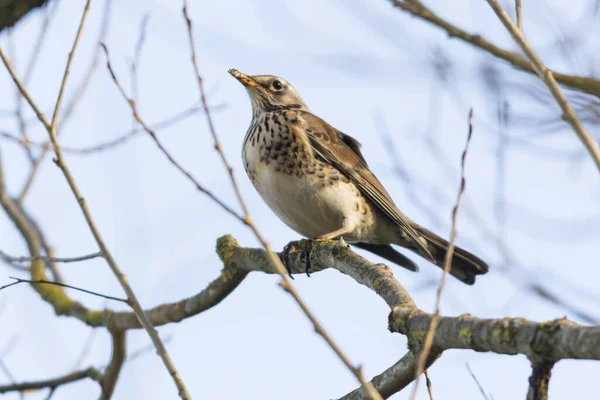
[[416, 8], [91, 373], [539, 380], [12, 259], [111, 374]]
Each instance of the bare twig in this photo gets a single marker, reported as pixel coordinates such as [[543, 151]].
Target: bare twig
[[428, 342], [91, 373], [485, 396], [162, 148], [137, 56], [60, 162], [428, 384], [64, 285], [118, 141], [519, 13], [86, 349], [71, 104], [418, 9], [549, 80], [63, 84], [11, 259]]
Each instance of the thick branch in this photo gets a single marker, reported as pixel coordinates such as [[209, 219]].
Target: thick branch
[[416, 8], [395, 378], [554, 340], [539, 380]]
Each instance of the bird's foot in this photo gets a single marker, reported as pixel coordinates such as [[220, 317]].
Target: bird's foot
[[303, 247], [288, 250], [305, 257]]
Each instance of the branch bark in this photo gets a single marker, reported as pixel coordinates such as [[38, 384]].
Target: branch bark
[[539, 380], [111, 374]]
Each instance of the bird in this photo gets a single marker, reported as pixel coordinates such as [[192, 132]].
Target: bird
[[317, 181]]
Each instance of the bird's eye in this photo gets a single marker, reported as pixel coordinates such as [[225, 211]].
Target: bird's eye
[[277, 85]]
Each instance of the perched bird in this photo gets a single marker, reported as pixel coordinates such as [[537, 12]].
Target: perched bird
[[316, 180]]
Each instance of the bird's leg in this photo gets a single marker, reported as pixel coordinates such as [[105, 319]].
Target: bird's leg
[[305, 256], [334, 234]]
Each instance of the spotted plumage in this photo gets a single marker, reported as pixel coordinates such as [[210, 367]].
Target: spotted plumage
[[317, 181]]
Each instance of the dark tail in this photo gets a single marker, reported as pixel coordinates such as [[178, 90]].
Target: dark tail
[[465, 266], [389, 253]]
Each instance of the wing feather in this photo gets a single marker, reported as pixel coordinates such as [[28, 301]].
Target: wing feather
[[343, 152]]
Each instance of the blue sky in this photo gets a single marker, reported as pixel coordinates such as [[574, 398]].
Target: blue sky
[[360, 67]]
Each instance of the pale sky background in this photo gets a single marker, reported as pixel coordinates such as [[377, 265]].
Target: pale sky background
[[359, 65]]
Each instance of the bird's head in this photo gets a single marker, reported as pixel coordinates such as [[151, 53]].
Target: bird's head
[[269, 93]]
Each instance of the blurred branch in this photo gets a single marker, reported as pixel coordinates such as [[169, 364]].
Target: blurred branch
[[547, 77], [479, 386], [111, 374], [11, 11], [417, 9], [91, 373]]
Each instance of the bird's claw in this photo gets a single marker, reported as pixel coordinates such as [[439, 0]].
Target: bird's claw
[[291, 248], [305, 257], [285, 256]]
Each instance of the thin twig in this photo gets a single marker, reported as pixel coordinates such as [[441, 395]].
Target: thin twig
[[63, 84], [136, 58], [70, 107], [549, 80], [60, 162], [428, 342], [91, 373], [113, 143], [519, 13], [40, 281], [162, 148], [12, 259], [86, 349], [477, 382], [429, 385]]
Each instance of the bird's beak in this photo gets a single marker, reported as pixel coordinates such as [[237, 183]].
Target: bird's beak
[[244, 79]]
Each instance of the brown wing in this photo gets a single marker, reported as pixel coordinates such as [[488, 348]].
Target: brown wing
[[343, 152]]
